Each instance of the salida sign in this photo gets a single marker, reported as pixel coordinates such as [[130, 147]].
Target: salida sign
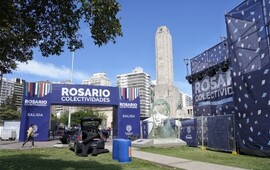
[[39, 96]]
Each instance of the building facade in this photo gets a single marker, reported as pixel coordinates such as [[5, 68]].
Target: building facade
[[18, 91], [139, 79], [10, 88], [186, 100], [185, 110], [7, 90], [98, 79]]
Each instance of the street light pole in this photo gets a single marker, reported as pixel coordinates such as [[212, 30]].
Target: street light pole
[[186, 62], [1, 81], [71, 81], [72, 66]]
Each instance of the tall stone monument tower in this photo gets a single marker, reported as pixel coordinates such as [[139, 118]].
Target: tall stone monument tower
[[165, 88], [164, 59]]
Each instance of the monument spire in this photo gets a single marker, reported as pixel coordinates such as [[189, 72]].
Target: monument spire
[[164, 58], [165, 89]]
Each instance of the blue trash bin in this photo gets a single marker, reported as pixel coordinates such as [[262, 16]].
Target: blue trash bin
[[115, 149], [124, 151]]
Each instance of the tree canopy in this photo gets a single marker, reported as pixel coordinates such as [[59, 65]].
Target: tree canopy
[[76, 116], [8, 110], [50, 25]]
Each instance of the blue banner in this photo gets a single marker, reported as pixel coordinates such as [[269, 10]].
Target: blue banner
[[189, 132], [36, 110], [129, 113], [213, 95], [68, 94], [211, 80], [220, 134]]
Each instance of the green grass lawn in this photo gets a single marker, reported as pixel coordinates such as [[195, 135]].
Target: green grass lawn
[[63, 158], [193, 153]]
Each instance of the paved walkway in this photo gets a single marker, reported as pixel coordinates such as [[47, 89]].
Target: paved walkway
[[17, 145], [136, 153], [176, 162]]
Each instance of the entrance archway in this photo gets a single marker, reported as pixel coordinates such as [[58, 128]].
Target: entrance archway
[[39, 96]]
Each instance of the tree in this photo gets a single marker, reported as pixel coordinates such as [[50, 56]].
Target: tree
[[10, 102], [76, 116], [50, 25], [9, 114], [8, 110]]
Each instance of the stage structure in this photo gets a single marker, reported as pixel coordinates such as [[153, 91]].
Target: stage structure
[[213, 103], [248, 40], [231, 84], [211, 82], [39, 96]]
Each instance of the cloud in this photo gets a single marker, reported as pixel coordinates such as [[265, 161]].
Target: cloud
[[49, 70], [62, 73]]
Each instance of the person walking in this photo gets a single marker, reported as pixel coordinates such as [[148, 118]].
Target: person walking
[[30, 135]]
